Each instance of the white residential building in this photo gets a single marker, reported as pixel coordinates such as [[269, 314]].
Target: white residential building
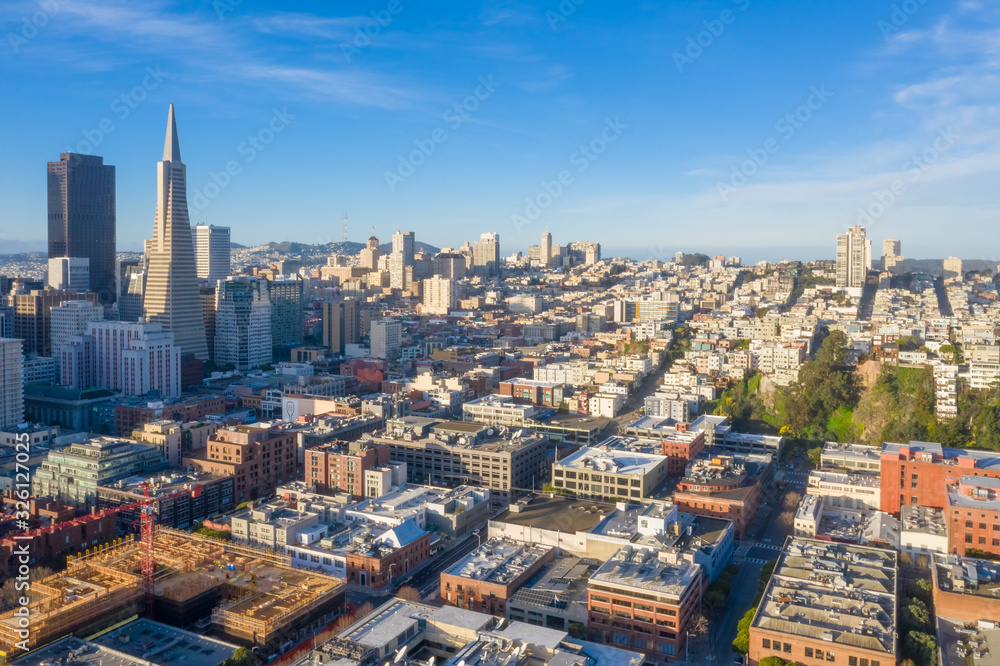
[[846, 491], [212, 252], [945, 391], [135, 358], [439, 296], [924, 532], [11, 383], [69, 319], [386, 339], [69, 273]]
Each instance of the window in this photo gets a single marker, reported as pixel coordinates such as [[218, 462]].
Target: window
[[786, 647], [830, 656], [809, 652], [968, 524], [852, 661], [766, 644], [968, 538]]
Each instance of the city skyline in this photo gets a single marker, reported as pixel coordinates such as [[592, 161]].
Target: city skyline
[[894, 86]]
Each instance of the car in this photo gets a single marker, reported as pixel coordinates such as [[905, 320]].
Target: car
[[737, 660]]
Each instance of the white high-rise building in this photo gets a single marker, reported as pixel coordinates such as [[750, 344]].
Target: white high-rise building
[[486, 255], [403, 242], [952, 267], [386, 339], [133, 358], [11, 383], [212, 253], [242, 323], [891, 254], [171, 296], [854, 258], [69, 273], [546, 249], [439, 296], [70, 319]]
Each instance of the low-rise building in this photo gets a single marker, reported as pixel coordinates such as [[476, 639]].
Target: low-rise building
[[494, 409], [610, 473], [973, 515], [340, 467], [965, 589], [490, 575], [858, 458], [828, 602], [850, 491], [724, 486], [260, 456], [556, 598], [924, 533]]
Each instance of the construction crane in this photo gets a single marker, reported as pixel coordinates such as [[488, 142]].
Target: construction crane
[[147, 534]]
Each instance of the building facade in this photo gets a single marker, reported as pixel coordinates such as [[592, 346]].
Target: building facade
[[212, 253], [242, 323]]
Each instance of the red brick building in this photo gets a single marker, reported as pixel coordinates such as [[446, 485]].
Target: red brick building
[[722, 488], [339, 467], [46, 544], [681, 447], [490, 575], [973, 515], [377, 562], [133, 417], [957, 596], [261, 457], [919, 473], [534, 392], [645, 600]]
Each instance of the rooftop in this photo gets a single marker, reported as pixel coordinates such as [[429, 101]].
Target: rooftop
[[612, 460], [498, 561], [960, 640], [923, 519], [648, 569], [838, 593], [566, 515], [966, 575], [860, 480]]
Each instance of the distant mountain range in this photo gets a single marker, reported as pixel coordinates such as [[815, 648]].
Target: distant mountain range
[[936, 266]]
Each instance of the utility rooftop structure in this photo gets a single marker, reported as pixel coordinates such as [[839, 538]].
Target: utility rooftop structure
[[854, 457], [826, 599]]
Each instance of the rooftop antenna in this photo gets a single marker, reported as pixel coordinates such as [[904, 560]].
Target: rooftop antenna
[[345, 227]]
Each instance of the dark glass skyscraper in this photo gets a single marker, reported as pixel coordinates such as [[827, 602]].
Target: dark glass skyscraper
[[82, 217]]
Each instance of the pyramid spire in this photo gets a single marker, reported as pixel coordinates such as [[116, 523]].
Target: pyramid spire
[[171, 146]]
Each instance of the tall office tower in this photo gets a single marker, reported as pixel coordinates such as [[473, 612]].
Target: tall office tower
[[287, 296], [133, 358], [370, 254], [386, 339], [449, 265], [75, 363], [171, 296], [341, 325], [69, 319], [33, 315], [212, 254], [206, 294], [130, 297], [69, 273], [11, 383], [854, 257], [891, 255], [82, 217], [439, 296], [6, 320], [242, 323], [952, 267], [403, 242], [546, 248], [486, 255]]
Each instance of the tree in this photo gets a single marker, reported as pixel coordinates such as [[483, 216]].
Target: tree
[[914, 616], [409, 593], [921, 647], [741, 643], [577, 630], [10, 595], [815, 455], [241, 657], [773, 661], [699, 625], [920, 589]]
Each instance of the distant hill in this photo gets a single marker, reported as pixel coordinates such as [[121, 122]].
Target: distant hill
[[418, 246], [936, 266]]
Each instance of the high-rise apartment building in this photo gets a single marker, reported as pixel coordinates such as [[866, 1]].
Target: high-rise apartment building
[[386, 339], [287, 297], [242, 323], [545, 249], [892, 256], [134, 358], [439, 296], [171, 296], [486, 255], [952, 267], [71, 273], [212, 254], [403, 243], [449, 265], [11, 383], [133, 287], [400, 273], [854, 257], [341, 325], [82, 217]]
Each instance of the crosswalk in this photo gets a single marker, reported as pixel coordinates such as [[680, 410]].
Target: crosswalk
[[743, 552]]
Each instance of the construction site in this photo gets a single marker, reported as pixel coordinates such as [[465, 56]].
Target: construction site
[[248, 595]]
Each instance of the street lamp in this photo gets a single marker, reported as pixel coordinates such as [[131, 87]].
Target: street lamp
[[687, 647], [390, 575]]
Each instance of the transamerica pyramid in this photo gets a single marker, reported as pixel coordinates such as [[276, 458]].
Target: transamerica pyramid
[[172, 297]]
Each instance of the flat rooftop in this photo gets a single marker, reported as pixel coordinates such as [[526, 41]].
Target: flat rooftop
[[612, 461], [144, 639], [644, 569], [859, 480], [557, 513], [834, 592], [967, 575], [498, 561], [960, 640]]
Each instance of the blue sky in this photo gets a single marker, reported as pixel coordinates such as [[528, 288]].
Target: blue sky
[[737, 126]]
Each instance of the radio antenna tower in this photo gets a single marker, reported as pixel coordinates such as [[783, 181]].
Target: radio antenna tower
[[345, 227]]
